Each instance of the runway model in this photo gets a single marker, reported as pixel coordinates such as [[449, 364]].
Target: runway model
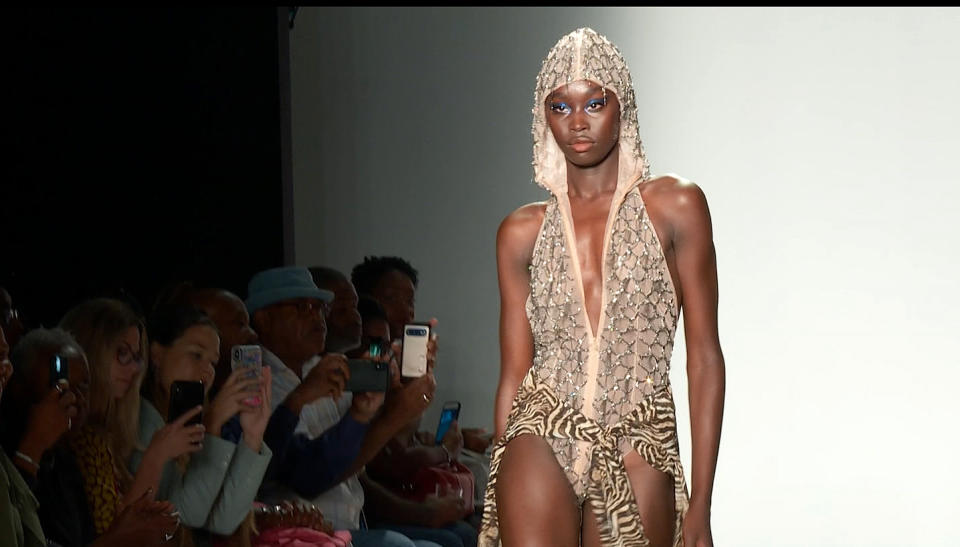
[[592, 284]]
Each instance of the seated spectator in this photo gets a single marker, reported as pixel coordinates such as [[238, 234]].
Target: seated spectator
[[10, 319], [213, 488], [289, 315], [392, 282], [114, 339], [20, 525], [343, 320], [40, 419]]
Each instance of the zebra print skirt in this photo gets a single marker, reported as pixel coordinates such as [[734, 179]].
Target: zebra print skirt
[[650, 429]]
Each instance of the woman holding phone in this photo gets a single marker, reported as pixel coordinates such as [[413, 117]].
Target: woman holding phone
[[114, 339], [592, 282], [214, 488]]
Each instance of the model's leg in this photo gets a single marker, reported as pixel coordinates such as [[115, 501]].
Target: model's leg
[[654, 493], [536, 505]]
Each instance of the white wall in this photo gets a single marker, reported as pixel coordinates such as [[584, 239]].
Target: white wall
[[826, 142]]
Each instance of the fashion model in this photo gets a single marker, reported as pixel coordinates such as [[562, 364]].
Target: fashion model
[[592, 283]]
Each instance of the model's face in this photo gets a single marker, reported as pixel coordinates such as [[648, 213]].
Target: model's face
[[192, 357], [584, 120], [126, 359], [396, 293]]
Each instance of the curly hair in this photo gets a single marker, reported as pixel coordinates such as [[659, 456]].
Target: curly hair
[[366, 275]]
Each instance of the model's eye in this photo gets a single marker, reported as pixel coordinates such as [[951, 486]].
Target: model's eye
[[594, 105], [560, 108]]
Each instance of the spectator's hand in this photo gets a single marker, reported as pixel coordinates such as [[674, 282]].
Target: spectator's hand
[[48, 420], [432, 346], [176, 438], [327, 379], [425, 438], [453, 440], [230, 399], [477, 439], [444, 510], [254, 420], [410, 401], [142, 523]]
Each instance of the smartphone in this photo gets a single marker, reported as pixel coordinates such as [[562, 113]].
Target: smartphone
[[59, 369], [413, 363], [366, 375], [184, 396], [250, 358], [450, 412]]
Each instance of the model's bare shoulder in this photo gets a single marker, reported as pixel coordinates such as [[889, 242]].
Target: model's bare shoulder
[[518, 231], [678, 202]]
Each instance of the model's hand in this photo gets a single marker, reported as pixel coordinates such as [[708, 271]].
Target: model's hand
[[254, 419], [696, 527]]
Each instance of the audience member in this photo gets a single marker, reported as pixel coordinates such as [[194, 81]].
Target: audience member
[[114, 339], [20, 525], [343, 325], [213, 488], [289, 315], [10, 318], [39, 413]]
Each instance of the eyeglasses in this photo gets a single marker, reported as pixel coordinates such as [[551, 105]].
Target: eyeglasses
[[308, 307], [8, 315], [126, 356]]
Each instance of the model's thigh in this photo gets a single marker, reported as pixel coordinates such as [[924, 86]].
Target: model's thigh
[[654, 492], [441, 536], [385, 538], [535, 502]]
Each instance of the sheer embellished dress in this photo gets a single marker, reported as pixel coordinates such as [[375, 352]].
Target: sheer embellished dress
[[595, 397]]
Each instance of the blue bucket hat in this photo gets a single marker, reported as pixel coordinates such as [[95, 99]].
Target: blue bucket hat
[[278, 284]]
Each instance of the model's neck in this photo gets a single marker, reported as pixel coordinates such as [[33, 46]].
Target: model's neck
[[596, 180]]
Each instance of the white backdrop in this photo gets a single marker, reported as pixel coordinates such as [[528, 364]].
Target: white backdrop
[[825, 140]]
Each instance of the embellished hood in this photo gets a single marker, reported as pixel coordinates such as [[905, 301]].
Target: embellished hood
[[585, 55]]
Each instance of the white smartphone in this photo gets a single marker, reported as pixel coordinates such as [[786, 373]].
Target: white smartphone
[[413, 363], [250, 358]]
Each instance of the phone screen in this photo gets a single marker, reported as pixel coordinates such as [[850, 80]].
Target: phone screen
[[451, 411], [59, 369]]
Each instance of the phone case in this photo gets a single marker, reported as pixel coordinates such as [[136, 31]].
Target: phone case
[[413, 363], [184, 396], [447, 416], [367, 376]]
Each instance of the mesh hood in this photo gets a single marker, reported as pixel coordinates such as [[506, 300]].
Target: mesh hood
[[585, 55]]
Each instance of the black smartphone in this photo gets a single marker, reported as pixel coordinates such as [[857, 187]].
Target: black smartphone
[[450, 412], [184, 396], [366, 375], [59, 369]]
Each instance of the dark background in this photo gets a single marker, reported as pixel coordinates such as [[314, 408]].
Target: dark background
[[141, 147]]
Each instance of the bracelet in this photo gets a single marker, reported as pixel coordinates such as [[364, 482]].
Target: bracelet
[[27, 459]]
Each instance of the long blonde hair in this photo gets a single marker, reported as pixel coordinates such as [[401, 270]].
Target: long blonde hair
[[97, 324]]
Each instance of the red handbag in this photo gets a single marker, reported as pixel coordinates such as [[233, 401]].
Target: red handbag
[[445, 479]]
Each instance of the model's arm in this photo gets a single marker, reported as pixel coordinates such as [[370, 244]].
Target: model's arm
[[515, 240], [696, 260]]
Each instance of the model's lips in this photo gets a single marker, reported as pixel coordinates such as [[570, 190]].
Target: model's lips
[[581, 145]]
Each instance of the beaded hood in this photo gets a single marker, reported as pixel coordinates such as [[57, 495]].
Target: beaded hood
[[585, 55]]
